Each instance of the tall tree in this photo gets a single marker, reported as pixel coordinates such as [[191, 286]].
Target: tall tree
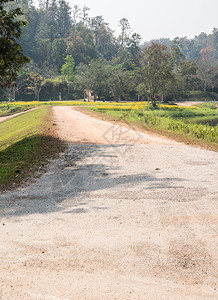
[[85, 16], [208, 69], [125, 29], [34, 85], [82, 47], [76, 12], [121, 83], [59, 47], [95, 77], [156, 71], [131, 59], [64, 18], [96, 24], [186, 72], [28, 38], [67, 69], [11, 53], [107, 45]]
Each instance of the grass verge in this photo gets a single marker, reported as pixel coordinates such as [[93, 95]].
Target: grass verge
[[138, 123], [26, 147], [7, 109]]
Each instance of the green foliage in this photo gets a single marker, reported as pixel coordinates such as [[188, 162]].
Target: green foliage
[[67, 69], [105, 80], [206, 120], [20, 127], [156, 71], [186, 74], [24, 148], [52, 86], [59, 47], [56, 81], [202, 96], [95, 78], [208, 69], [16, 158], [181, 120], [44, 52], [7, 109], [209, 105], [204, 132], [119, 83], [167, 71], [81, 46], [34, 84], [11, 53]]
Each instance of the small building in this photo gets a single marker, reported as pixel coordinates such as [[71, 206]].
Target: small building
[[90, 96]]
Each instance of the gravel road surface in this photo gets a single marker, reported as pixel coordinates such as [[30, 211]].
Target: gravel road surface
[[120, 215]]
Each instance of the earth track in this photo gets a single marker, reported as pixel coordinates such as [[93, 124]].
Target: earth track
[[120, 215]]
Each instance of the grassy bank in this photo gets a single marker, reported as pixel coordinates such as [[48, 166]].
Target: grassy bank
[[25, 148], [196, 123], [10, 108], [7, 109]]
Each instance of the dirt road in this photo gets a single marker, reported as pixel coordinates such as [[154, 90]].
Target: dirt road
[[120, 215]]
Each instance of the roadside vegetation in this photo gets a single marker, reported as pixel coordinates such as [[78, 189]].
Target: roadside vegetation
[[197, 122], [7, 109], [25, 147], [10, 108], [193, 120], [28, 141]]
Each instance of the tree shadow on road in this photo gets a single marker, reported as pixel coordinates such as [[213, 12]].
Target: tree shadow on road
[[72, 179]]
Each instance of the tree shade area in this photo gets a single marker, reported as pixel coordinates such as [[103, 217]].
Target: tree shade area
[[73, 54]]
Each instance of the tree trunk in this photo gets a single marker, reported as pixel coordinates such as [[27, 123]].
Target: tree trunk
[[35, 92], [153, 101], [14, 92]]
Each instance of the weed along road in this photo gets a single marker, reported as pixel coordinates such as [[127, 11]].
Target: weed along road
[[119, 215]]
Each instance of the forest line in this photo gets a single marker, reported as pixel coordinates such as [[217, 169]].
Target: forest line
[[71, 53]]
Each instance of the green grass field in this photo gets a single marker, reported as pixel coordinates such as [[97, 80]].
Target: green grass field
[[7, 109], [21, 127], [198, 123], [24, 147]]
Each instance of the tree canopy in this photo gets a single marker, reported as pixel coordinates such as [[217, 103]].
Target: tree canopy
[[11, 53], [74, 51], [67, 69], [156, 71]]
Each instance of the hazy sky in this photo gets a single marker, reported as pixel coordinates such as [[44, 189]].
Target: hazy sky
[[157, 18]]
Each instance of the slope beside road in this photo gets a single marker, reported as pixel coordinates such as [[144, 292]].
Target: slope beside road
[[2, 119], [120, 215]]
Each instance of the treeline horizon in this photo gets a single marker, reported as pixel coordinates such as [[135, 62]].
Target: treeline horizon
[[67, 46]]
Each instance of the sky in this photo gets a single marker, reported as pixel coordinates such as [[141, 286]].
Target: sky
[[154, 19]]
